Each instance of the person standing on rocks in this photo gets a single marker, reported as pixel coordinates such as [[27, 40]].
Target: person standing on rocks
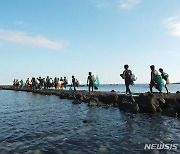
[[127, 78], [74, 82], [153, 81], [65, 82], [47, 82], [165, 76], [90, 82]]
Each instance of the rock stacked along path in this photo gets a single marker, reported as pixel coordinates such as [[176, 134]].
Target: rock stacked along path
[[166, 104]]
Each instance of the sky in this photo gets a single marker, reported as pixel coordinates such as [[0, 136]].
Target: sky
[[74, 37]]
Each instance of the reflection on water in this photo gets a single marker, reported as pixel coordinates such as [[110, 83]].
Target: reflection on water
[[33, 123]]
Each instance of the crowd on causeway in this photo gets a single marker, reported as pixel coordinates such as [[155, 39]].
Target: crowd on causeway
[[93, 81], [147, 102], [45, 83], [57, 83]]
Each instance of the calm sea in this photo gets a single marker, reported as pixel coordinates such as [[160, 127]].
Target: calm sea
[[37, 124], [136, 88]]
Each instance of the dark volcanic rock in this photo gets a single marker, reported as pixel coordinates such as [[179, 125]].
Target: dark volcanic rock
[[89, 121], [129, 106], [171, 102], [168, 104], [64, 95], [76, 102], [93, 101], [170, 112], [108, 99], [148, 103], [177, 109], [78, 96]]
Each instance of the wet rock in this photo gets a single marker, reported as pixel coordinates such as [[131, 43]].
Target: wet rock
[[129, 106], [148, 103], [134, 108], [72, 97], [162, 100], [159, 109], [108, 99], [63, 95], [89, 121], [170, 112], [171, 102], [76, 102], [145, 102], [162, 103], [177, 109], [86, 99], [102, 149], [101, 104], [131, 98], [37, 151], [79, 97], [93, 101]]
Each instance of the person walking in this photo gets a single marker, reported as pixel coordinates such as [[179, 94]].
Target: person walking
[[165, 76], [153, 81], [127, 78]]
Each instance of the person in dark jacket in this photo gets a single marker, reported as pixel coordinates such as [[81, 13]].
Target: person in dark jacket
[[74, 82], [153, 81], [90, 82], [127, 78]]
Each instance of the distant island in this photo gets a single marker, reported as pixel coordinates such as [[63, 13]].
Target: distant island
[[176, 83]]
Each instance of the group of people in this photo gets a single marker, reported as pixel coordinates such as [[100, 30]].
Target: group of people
[[57, 83], [93, 81], [156, 79], [46, 83]]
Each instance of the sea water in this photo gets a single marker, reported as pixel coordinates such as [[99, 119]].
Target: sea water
[[136, 88], [38, 124]]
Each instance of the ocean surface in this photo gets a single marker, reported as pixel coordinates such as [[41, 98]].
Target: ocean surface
[[136, 88], [37, 124]]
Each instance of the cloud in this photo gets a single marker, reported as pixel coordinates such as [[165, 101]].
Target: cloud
[[173, 24], [34, 41], [173, 53], [101, 3], [128, 4], [122, 4], [19, 23]]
